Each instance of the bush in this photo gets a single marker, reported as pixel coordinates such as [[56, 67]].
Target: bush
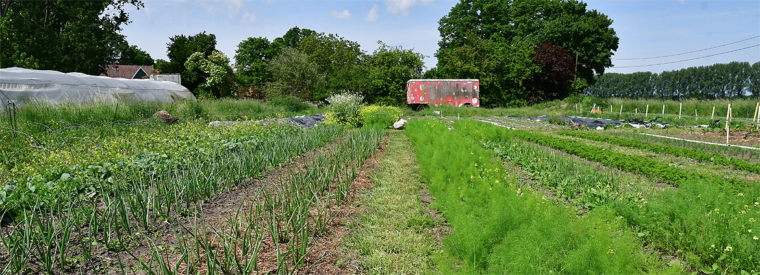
[[379, 116], [344, 109], [291, 104]]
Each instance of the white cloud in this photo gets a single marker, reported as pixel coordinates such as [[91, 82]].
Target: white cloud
[[233, 7], [341, 15], [372, 15], [401, 7], [248, 18]]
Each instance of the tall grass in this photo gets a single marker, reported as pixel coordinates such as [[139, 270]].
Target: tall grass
[[106, 112], [740, 108]]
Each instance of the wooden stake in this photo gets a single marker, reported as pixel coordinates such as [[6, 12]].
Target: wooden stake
[[680, 107], [754, 117], [713, 113], [728, 113], [637, 111], [581, 108], [621, 109], [576, 107], [647, 112], [610, 108], [663, 109], [593, 108], [695, 114]]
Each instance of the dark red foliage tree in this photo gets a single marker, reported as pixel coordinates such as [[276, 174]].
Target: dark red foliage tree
[[557, 71]]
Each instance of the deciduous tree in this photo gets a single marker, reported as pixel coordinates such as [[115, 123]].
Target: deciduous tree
[[68, 36]]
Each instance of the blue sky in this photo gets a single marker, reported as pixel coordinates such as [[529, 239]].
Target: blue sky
[[647, 28]]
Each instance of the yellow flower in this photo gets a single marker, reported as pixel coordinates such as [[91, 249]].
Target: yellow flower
[[729, 248], [755, 238]]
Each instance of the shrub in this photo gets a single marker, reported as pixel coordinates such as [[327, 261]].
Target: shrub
[[344, 109], [379, 116], [291, 104]]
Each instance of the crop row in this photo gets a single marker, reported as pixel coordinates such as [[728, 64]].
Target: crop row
[[100, 208], [710, 225], [288, 216], [571, 179], [498, 227], [732, 151], [672, 150]]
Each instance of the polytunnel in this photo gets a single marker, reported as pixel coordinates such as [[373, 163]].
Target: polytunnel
[[20, 85]]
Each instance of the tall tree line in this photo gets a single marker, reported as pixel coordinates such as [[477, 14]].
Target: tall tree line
[[718, 81]]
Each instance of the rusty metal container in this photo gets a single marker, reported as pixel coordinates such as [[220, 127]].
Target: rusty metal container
[[438, 92]]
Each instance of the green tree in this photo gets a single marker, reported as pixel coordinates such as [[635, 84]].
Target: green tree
[[391, 68], [501, 68], [180, 49], [132, 55], [566, 23], [67, 36], [338, 58], [292, 38], [293, 68], [218, 81], [251, 59]]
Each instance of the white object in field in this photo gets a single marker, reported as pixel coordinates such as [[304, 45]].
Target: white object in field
[[20, 85], [663, 109], [680, 106], [647, 112], [728, 115], [713, 113], [437, 112], [399, 124], [621, 109]]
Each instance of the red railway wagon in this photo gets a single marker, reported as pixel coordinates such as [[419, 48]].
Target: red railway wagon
[[437, 92]]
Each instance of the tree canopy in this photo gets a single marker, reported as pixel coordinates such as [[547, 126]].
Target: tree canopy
[[732, 80], [251, 59], [179, 49], [67, 36], [218, 80], [132, 55], [523, 25]]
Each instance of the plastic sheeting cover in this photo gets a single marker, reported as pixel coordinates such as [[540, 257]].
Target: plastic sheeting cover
[[20, 85]]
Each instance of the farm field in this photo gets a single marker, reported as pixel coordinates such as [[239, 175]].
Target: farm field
[[478, 193]]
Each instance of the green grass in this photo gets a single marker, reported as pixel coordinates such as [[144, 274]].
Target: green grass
[[394, 235], [218, 109]]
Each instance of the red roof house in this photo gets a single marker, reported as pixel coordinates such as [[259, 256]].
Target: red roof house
[[128, 71]]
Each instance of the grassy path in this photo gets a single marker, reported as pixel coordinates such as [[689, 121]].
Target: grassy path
[[396, 235]]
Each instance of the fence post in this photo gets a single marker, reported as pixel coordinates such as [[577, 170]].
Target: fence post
[[754, 117], [610, 108], [695, 114], [593, 108], [621, 110], [713, 113], [728, 113], [647, 112], [680, 107], [663, 109], [576, 107]]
